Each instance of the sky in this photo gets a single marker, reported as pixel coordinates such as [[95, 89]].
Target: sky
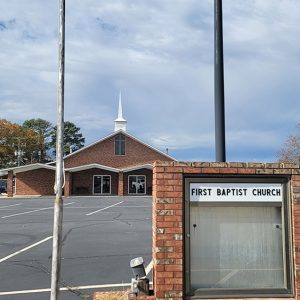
[[160, 55]]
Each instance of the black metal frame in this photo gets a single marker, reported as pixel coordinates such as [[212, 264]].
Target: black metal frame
[[110, 186], [130, 194], [286, 217]]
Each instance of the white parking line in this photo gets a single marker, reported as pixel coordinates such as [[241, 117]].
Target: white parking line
[[103, 208], [10, 205], [84, 287], [31, 211], [149, 267], [124, 206], [25, 249]]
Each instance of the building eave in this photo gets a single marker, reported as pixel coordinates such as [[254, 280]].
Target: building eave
[[137, 167], [152, 148], [107, 168], [36, 166], [26, 168], [92, 166]]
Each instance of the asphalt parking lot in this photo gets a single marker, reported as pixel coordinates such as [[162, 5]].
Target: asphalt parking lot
[[100, 236]]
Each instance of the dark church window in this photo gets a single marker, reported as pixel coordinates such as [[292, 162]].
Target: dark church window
[[102, 184], [120, 144], [137, 184]]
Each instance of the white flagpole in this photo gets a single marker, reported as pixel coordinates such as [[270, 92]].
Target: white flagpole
[[58, 204]]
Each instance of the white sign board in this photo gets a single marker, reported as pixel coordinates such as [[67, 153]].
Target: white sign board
[[236, 192]]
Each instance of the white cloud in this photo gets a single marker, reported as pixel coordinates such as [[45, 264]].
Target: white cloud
[[160, 54]]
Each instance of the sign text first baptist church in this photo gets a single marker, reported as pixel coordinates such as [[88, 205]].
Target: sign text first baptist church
[[235, 192]]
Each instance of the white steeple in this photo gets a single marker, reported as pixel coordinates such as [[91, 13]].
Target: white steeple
[[120, 122]]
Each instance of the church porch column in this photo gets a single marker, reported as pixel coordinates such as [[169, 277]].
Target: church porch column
[[68, 184], [121, 184], [10, 186]]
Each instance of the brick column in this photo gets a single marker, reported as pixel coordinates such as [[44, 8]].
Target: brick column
[[296, 225], [121, 184], [68, 184], [167, 232], [10, 188]]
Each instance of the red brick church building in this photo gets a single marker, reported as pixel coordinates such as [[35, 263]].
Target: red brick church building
[[118, 164]]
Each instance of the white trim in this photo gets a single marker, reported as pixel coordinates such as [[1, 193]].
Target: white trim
[[101, 185], [26, 168], [136, 189], [126, 134], [92, 166], [138, 167], [3, 173], [116, 170], [152, 148], [93, 144]]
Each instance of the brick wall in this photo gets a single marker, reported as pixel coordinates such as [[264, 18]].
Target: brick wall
[[31, 183], [35, 182], [103, 153], [168, 219], [41, 182]]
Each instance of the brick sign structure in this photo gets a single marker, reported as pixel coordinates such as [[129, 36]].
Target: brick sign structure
[[173, 271]]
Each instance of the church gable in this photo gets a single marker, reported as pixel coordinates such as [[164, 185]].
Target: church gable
[[119, 150]]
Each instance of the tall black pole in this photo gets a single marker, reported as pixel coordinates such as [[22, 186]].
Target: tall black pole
[[219, 86]]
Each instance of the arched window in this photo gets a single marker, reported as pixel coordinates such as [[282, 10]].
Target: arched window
[[120, 144]]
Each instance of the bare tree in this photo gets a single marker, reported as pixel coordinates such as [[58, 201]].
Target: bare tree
[[290, 152]]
